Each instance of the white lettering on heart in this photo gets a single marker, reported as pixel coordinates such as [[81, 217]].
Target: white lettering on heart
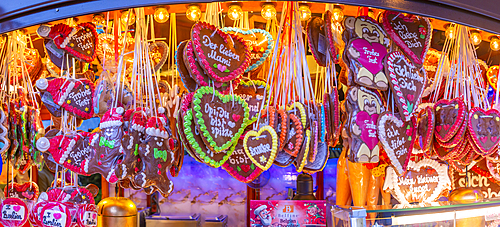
[[52, 218], [260, 149], [219, 120], [410, 38], [214, 54], [13, 212]]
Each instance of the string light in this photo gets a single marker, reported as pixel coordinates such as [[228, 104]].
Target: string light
[[475, 37], [268, 12], [235, 12], [305, 12], [450, 31], [338, 14], [495, 43], [125, 15], [161, 15], [193, 12]]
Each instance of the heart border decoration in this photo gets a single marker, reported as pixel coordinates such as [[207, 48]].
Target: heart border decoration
[[403, 102], [274, 146], [188, 82], [267, 52], [444, 182], [482, 149], [201, 123], [188, 120], [417, 60], [300, 167], [164, 54], [203, 59], [381, 131], [456, 125]]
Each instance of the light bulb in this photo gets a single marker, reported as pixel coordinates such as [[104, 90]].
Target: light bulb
[[495, 43], [193, 13], [268, 12], [450, 32], [235, 12], [161, 15], [338, 14], [125, 15], [305, 12], [475, 37]]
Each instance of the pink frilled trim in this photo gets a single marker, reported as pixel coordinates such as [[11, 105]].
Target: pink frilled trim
[[195, 36]]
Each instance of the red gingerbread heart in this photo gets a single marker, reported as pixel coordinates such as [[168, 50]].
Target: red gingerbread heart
[[240, 166], [223, 56], [484, 128], [450, 115]]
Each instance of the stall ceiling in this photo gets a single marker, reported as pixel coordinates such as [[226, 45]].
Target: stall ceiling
[[20, 14]]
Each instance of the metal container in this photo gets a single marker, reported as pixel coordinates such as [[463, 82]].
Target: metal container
[[216, 221], [173, 220], [117, 211], [466, 196]]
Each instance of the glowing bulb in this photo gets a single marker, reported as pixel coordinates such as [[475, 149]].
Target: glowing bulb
[[305, 12], [450, 32], [338, 14], [193, 13], [475, 38], [125, 15], [495, 43], [371, 14], [268, 12], [161, 15], [235, 12]]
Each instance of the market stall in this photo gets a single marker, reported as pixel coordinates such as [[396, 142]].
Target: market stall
[[191, 112]]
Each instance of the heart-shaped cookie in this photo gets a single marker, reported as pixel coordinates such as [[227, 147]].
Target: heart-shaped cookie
[[301, 159], [260, 43], [484, 128], [223, 56], [158, 52], [189, 83], [317, 40], [80, 41], [450, 115], [492, 75], [320, 160], [240, 166], [411, 33], [77, 98], [397, 138], [261, 146], [283, 159], [424, 181], [195, 141], [252, 92], [14, 212], [197, 72], [329, 31], [28, 191], [220, 118], [407, 83], [425, 129], [295, 138], [282, 127]]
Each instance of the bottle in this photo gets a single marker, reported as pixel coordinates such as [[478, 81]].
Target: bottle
[[304, 187]]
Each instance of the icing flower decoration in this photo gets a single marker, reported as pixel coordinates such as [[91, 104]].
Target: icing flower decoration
[[422, 31]]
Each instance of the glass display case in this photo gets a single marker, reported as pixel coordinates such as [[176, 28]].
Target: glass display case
[[443, 214]]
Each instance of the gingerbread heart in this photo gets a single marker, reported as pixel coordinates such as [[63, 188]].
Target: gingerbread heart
[[106, 52], [195, 141], [189, 83], [425, 129], [283, 159], [485, 182], [261, 146], [484, 128], [103, 95], [423, 182], [197, 72], [220, 118], [397, 138], [411, 33], [14, 212], [260, 43], [492, 75], [450, 115], [28, 191], [330, 36], [317, 40], [253, 93], [240, 166], [223, 56], [301, 159], [158, 52], [77, 98], [80, 41], [494, 168], [320, 160], [295, 138], [407, 83]]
